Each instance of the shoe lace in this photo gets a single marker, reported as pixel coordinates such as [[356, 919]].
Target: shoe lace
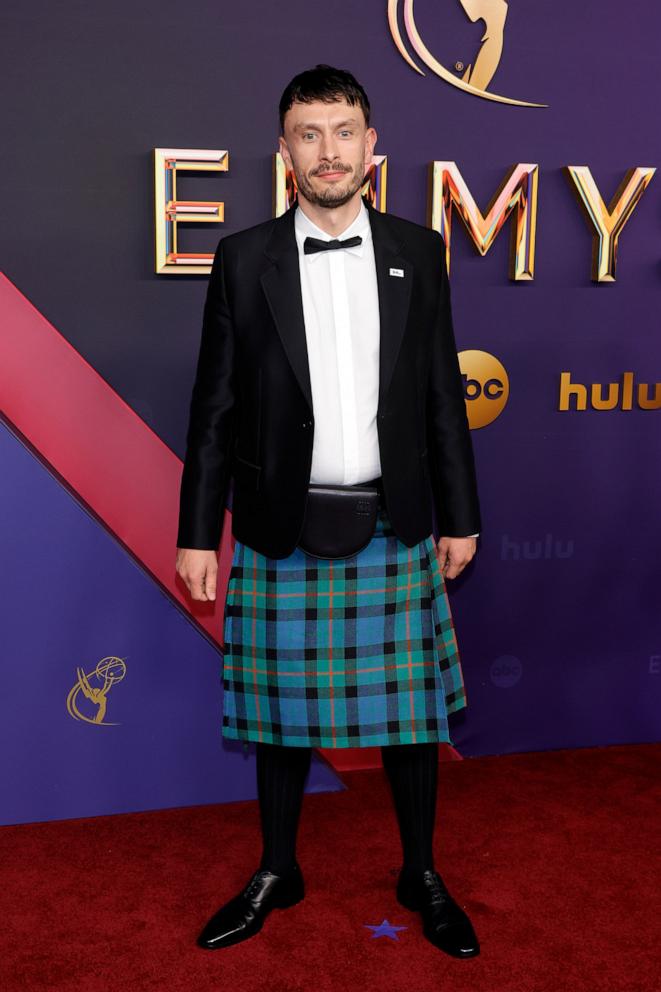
[[254, 884], [436, 887]]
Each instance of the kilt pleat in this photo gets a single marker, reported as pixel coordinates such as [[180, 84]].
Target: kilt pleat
[[352, 652]]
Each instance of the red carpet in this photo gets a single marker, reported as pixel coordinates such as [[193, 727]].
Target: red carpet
[[554, 855]]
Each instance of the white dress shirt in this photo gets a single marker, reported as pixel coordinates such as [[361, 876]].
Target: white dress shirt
[[341, 313]]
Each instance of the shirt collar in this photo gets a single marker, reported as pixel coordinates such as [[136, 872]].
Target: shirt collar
[[305, 227]]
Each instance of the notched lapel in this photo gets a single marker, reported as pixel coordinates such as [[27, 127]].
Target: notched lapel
[[394, 294], [282, 285]]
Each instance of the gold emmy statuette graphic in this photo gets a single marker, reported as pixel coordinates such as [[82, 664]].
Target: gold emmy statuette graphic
[[95, 686], [477, 76], [486, 386]]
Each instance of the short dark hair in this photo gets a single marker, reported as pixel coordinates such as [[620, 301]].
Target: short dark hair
[[325, 83]]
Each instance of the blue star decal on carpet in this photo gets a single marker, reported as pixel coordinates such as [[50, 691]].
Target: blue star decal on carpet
[[385, 929]]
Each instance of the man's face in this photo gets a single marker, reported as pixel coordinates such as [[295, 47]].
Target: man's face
[[328, 147]]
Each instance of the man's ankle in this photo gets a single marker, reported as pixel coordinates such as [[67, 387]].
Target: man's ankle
[[411, 872], [282, 868]]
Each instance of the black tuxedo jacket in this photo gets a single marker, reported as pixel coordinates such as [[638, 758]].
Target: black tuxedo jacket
[[251, 413]]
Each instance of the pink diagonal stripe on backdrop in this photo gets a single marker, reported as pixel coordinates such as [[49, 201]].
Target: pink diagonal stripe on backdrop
[[104, 452]]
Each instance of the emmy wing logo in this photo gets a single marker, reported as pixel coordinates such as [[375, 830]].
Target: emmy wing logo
[[478, 74], [94, 687]]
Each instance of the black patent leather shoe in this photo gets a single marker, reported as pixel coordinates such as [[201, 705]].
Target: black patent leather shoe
[[244, 914], [444, 922]]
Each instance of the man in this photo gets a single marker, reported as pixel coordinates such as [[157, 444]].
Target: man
[[328, 356]]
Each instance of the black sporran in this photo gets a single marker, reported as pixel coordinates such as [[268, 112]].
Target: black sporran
[[339, 520]]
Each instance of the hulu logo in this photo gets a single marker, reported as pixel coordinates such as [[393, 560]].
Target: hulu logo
[[624, 395], [549, 547]]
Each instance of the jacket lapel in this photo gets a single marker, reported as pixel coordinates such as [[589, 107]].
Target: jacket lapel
[[281, 282], [282, 285], [394, 293]]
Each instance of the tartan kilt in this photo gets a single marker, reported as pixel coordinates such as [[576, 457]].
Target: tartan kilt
[[351, 652]]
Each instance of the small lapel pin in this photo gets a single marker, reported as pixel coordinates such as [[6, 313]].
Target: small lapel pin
[[397, 272]]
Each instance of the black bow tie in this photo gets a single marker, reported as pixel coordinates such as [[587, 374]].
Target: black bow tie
[[311, 245]]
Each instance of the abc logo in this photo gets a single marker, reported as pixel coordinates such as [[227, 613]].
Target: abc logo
[[505, 671], [486, 386]]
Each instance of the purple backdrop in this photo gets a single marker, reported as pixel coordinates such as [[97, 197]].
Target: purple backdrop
[[72, 597], [558, 615]]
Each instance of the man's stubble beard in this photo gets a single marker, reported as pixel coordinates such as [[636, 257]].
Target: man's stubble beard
[[330, 197]]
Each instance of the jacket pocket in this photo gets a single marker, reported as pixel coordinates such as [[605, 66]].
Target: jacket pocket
[[246, 472]]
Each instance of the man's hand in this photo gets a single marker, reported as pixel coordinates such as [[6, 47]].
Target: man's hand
[[199, 570], [454, 553]]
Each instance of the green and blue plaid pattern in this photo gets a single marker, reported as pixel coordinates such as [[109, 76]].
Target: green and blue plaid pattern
[[351, 652]]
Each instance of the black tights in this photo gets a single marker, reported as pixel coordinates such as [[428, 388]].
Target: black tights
[[411, 769]]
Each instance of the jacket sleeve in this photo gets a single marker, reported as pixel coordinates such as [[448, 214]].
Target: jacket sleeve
[[211, 421], [452, 465]]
